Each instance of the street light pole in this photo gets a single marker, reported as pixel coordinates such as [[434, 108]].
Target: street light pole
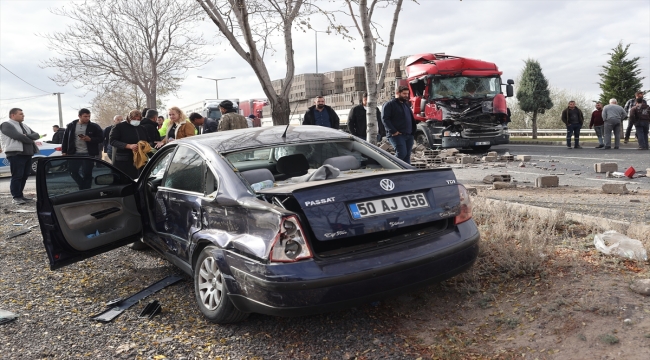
[[58, 95], [216, 82]]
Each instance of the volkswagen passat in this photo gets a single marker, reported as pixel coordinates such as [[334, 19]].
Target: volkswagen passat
[[274, 220]]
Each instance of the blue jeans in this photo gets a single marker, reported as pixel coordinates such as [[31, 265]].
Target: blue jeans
[[600, 130], [573, 129], [20, 166], [403, 145], [642, 133], [84, 179]]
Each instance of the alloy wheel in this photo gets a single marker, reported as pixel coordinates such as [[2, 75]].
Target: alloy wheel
[[211, 285]]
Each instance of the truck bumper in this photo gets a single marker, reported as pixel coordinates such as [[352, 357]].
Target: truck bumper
[[459, 142]]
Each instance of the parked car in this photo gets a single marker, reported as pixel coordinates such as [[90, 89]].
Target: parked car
[[44, 149], [310, 221]]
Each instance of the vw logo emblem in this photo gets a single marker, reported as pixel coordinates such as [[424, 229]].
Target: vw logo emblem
[[387, 184]]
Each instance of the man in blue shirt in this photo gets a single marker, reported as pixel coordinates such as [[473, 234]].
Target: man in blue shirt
[[321, 114], [400, 124]]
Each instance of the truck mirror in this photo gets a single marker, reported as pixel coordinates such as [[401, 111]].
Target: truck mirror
[[510, 81], [509, 90]]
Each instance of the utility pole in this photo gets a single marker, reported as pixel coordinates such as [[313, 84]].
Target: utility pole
[[58, 96]]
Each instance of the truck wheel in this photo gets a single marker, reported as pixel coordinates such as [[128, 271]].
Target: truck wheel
[[421, 139], [481, 148]]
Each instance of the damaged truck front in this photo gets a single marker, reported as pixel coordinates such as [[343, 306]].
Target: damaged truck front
[[458, 102]]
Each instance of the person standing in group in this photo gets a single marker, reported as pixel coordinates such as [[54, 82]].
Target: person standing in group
[[250, 120], [17, 141], [57, 138], [151, 127], [230, 120], [203, 125], [640, 117], [597, 124], [573, 119], [82, 138], [160, 121], [321, 114], [357, 121], [613, 116], [400, 124], [124, 139], [628, 106], [106, 134], [179, 127]]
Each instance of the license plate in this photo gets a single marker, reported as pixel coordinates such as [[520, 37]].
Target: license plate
[[482, 143], [388, 205]]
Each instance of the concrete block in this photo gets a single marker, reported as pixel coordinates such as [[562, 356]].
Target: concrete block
[[605, 167], [547, 181], [499, 185], [384, 146], [471, 190], [492, 153], [508, 158], [419, 165], [497, 178], [489, 158], [450, 159], [466, 160], [523, 157], [452, 151], [615, 189]]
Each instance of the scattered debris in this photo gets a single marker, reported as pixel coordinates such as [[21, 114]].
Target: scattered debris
[[635, 200], [471, 190], [614, 243], [497, 177], [605, 167], [521, 164], [547, 181], [499, 185], [22, 211], [615, 189], [152, 309], [523, 158], [7, 316], [17, 233], [641, 286], [630, 172]]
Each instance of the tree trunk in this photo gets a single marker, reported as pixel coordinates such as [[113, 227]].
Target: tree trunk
[[280, 111], [534, 120]]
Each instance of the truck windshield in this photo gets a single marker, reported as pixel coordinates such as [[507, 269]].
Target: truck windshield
[[214, 113], [462, 86]]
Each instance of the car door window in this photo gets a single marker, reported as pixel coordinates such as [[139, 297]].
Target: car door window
[[157, 172], [186, 171], [67, 176]]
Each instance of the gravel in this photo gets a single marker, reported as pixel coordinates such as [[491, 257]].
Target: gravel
[[54, 310]]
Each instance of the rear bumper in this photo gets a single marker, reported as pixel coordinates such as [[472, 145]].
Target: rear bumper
[[458, 142], [310, 287]]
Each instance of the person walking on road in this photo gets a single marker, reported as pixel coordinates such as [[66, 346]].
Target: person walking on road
[[597, 124], [357, 120], [640, 117], [613, 116], [230, 120], [17, 141], [106, 136], [628, 107], [573, 119], [57, 138], [400, 124], [321, 114], [179, 127], [203, 125]]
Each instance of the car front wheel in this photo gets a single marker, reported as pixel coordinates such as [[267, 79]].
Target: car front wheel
[[210, 290]]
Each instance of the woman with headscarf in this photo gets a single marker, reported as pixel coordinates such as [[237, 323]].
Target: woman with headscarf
[[179, 127], [124, 138]]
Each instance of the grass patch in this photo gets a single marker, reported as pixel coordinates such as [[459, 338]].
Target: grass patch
[[609, 339]]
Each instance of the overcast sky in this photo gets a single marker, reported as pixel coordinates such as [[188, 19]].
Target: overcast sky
[[570, 39]]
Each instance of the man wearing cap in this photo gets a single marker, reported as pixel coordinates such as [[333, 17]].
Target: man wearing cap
[[230, 120]]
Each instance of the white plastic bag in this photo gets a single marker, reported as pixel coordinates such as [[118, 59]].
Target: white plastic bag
[[613, 243]]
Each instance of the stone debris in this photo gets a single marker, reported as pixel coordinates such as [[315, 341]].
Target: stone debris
[[489, 158], [523, 158], [492, 153], [499, 185], [547, 181], [641, 286], [615, 189], [490, 179], [521, 164], [471, 190], [605, 167]]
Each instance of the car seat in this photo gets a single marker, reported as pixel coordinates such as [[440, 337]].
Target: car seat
[[291, 165], [343, 163], [257, 175]]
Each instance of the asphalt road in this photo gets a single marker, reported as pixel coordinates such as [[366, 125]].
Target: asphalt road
[[574, 167]]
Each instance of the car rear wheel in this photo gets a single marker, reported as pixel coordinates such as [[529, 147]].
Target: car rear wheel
[[210, 290], [33, 166]]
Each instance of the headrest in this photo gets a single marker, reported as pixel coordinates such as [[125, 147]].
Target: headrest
[[257, 175], [343, 163], [293, 165]]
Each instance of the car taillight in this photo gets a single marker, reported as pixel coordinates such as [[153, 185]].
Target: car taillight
[[57, 148], [465, 206], [290, 244]]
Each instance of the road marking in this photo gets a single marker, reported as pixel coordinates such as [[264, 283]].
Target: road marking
[[614, 181], [584, 158]]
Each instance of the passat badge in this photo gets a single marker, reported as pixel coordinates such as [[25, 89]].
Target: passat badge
[[387, 184]]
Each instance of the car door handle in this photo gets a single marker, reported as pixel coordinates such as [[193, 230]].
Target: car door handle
[[103, 213], [105, 193]]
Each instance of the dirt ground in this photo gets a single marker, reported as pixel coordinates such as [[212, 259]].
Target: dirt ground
[[574, 304]]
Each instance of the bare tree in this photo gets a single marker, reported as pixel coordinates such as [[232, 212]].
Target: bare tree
[[370, 36], [118, 100], [146, 43], [249, 26]]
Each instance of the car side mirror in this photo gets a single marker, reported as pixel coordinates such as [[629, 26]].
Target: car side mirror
[[107, 179], [509, 90]]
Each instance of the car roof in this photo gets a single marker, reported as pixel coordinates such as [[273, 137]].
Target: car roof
[[251, 138]]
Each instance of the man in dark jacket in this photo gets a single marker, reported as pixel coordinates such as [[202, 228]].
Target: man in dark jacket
[[149, 123], [400, 124], [628, 106], [321, 114], [204, 125], [598, 124], [640, 117], [108, 149], [357, 121], [82, 138], [57, 138], [573, 119]]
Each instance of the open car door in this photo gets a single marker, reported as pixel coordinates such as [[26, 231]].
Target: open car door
[[85, 207]]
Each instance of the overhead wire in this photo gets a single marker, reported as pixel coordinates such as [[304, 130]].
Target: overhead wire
[[21, 79], [25, 97]]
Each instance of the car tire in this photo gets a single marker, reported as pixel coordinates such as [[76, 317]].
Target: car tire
[[33, 166], [210, 291]]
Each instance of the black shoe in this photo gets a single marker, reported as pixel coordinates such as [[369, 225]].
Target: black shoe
[[606, 148], [578, 147], [600, 146], [569, 147], [616, 147]]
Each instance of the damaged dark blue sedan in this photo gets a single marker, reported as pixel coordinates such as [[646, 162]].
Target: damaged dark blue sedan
[[279, 221]]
